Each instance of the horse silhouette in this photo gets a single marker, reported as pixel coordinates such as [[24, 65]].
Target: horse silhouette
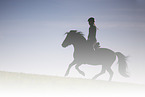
[[100, 56]]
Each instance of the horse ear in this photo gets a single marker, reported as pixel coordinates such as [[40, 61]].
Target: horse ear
[[66, 33]]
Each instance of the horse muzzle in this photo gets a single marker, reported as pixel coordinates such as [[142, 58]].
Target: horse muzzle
[[63, 45]]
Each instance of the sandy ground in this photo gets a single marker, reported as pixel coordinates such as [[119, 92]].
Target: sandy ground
[[30, 85]]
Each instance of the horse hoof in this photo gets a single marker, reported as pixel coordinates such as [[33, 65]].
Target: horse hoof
[[94, 78], [83, 74], [66, 74]]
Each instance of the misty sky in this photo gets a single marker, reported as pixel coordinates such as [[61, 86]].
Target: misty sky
[[31, 33]]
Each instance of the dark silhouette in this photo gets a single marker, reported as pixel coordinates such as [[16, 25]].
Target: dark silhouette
[[92, 34], [100, 56]]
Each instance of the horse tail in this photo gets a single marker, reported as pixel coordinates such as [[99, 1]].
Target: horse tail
[[122, 64]]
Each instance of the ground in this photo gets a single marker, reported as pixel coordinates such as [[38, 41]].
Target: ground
[[32, 85]]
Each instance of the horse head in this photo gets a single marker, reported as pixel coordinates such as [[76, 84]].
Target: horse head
[[72, 37]]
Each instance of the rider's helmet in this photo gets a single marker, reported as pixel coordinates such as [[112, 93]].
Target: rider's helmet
[[91, 19]]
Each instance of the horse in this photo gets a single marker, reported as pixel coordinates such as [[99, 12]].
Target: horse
[[100, 56]]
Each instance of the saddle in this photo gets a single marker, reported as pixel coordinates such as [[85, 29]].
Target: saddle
[[93, 49]]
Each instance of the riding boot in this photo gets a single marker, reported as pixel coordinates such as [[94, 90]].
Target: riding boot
[[97, 45]]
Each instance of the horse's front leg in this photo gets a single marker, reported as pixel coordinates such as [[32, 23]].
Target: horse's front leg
[[69, 67], [81, 72]]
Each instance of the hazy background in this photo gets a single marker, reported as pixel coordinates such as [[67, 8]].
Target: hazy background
[[31, 33]]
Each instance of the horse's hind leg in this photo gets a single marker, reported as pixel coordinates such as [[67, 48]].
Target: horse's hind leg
[[110, 72], [67, 72], [77, 68], [102, 72]]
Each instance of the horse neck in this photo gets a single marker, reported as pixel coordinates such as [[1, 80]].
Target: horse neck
[[79, 43]]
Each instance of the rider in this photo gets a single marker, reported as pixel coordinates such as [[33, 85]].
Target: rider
[[92, 34]]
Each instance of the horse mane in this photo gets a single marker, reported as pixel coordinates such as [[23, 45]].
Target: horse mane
[[75, 32]]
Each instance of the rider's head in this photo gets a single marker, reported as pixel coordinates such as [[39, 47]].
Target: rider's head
[[91, 21]]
